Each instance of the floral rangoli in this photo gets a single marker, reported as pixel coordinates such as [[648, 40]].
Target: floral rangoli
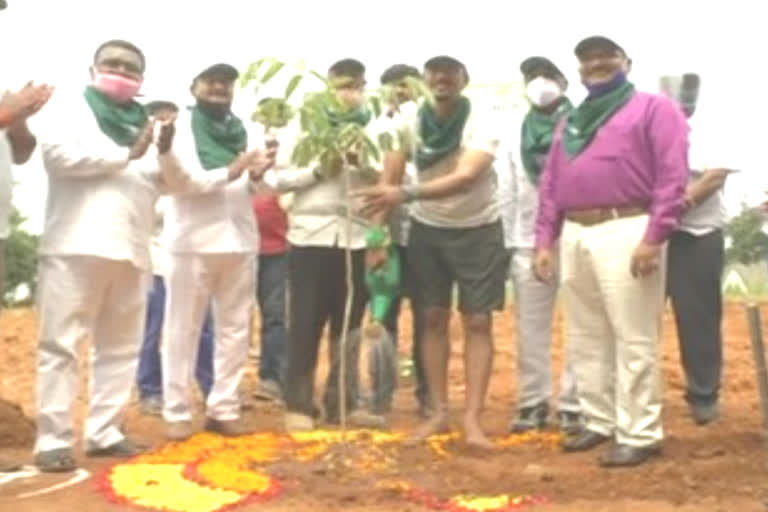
[[209, 473]]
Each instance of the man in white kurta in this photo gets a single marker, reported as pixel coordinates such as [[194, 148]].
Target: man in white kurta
[[16, 146], [213, 242], [534, 299], [94, 256]]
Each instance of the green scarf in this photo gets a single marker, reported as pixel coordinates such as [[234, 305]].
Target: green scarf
[[120, 122], [440, 137], [593, 112], [218, 141], [361, 116], [538, 129]]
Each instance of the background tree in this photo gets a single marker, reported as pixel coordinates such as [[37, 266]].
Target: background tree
[[20, 256], [748, 242]]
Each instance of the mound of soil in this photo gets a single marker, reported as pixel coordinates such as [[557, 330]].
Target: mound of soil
[[16, 429]]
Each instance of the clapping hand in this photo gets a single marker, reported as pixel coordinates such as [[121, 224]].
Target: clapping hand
[[27, 101]]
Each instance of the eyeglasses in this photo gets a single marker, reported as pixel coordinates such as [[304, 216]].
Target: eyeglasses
[[120, 64]]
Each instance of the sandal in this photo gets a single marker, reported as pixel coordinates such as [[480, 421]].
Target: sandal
[[60, 460]]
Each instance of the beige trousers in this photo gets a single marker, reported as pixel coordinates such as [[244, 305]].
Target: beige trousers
[[80, 297], [613, 329]]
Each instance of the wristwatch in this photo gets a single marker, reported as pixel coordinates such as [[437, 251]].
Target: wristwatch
[[410, 193]]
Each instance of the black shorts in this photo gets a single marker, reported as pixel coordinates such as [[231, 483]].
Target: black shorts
[[473, 258]]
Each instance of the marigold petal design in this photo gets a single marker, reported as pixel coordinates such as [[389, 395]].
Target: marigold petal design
[[163, 487]]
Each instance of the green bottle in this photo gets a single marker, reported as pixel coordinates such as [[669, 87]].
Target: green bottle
[[383, 282]]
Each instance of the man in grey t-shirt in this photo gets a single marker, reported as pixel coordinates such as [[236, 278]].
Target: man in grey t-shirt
[[456, 236]]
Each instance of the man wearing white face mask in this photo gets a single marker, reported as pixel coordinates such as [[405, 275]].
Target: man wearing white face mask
[[103, 182], [545, 88]]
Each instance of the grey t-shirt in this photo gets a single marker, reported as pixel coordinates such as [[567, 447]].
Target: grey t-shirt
[[475, 206]]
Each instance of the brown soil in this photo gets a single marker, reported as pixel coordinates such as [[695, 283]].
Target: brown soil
[[721, 467], [16, 429]]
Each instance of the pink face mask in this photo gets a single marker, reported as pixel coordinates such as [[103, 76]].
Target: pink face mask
[[117, 87]]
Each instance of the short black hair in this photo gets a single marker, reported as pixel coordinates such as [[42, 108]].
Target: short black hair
[[397, 72], [119, 43], [347, 67]]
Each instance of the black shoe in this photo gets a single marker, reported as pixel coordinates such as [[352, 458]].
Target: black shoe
[[121, 449], [530, 418], [60, 460], [622, 455], [704, 414], [583, 441], [570, 422]]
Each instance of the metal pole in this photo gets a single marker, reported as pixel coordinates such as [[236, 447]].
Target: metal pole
[[758, 354]]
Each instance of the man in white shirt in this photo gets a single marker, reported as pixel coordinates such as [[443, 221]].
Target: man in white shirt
[[213, 243], [527, 149], [317, 272], [103, 181], [695, 256], [16, 146], [399, 227], [149, 378], [456, 236]]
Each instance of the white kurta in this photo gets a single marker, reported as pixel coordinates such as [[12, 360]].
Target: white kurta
[[6, 183], [94, 265], [534, 299], [213, 242]]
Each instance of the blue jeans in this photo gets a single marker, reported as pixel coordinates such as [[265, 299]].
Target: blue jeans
[[270, 294], [150, 375]]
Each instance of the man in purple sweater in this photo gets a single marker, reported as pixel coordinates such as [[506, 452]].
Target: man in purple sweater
[[614, 186]]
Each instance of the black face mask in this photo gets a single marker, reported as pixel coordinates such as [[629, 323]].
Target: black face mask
[[215, 110]]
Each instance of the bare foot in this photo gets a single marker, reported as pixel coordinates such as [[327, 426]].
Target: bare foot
[[439, 423], [474, 435]]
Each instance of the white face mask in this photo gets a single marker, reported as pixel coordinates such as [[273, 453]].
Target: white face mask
[[542, 92]]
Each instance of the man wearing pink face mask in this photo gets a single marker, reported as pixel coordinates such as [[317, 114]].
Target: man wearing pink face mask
[[103, 181]]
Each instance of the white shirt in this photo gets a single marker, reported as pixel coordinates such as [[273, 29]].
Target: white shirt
[[400, 218], [99, 202], [157, 250], [518, 197], [318, 212], [220, 221], [6, 183], [709, 215], [475, 206]]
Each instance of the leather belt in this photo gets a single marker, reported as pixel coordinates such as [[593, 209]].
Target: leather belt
[[594, 216]]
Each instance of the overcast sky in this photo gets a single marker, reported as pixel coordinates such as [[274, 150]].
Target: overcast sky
[[53, 40]]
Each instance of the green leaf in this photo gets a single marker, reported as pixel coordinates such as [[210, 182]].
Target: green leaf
[[386, 141], [320, 77], [371, 148], [250, 73], [292, 85], [272, 70], [375, 103]]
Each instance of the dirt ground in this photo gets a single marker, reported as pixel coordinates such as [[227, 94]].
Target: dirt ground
[[722, 467]]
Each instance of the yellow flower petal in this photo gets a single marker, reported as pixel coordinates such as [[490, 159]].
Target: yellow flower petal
[[163, 487]]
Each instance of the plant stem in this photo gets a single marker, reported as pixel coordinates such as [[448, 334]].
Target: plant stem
[[344, 341]]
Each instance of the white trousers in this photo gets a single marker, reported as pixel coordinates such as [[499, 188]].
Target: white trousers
[[228, 282], [613, 329], [534, 310], [81, 296]]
